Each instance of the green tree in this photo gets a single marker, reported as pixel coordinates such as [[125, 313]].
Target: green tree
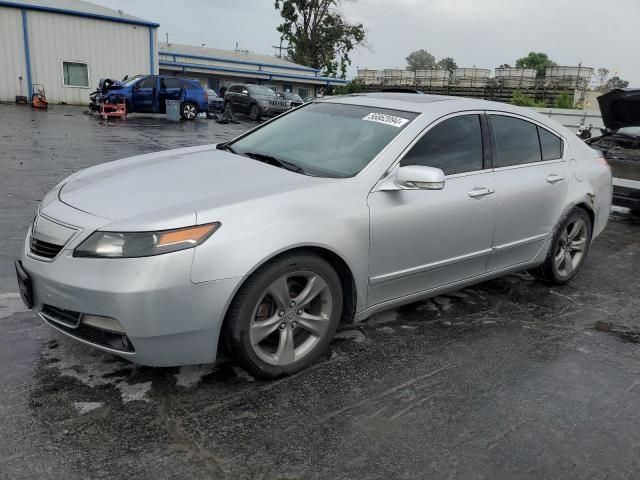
[[616, 82], [537, 60], [354, 86], [447, 63], [420, 60], [522, 100], [564, 100], [505, 65], [318, 35]]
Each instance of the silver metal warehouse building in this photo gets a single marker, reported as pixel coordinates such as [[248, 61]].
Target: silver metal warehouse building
[[217, 68], [68, 45]]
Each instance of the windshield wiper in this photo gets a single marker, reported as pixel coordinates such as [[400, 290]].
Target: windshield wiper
[[261, 157], [225, 146]]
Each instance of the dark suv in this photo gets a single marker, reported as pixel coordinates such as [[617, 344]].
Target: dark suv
[[255, 100]]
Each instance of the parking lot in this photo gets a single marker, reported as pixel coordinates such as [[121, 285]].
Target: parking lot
[[509, 379]]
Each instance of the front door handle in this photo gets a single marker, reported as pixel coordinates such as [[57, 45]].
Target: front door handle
[[553, 178], [480, 192]]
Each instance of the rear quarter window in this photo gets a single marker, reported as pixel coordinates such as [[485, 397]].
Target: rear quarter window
[[550, 144]]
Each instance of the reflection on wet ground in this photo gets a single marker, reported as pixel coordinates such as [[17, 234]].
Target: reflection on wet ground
[[508, 379]]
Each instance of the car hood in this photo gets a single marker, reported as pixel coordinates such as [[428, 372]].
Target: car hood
[[174, 185], [620, 108]]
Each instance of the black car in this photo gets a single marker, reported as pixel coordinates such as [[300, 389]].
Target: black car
[[620, 143], [255, 100], [293, 98]]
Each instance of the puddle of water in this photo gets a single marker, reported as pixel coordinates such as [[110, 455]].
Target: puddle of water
[[10, 304]]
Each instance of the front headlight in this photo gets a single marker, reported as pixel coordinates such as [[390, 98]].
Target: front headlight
[[143, 244]]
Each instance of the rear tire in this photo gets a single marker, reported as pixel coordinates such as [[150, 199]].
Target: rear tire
[[569, 247], [189, 111], [284, 316]]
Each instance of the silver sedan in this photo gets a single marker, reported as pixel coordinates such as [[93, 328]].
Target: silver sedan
[[326, 214]]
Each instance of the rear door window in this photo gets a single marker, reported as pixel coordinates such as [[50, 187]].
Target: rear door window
[[170, 82], [550, 144], [454, 146], [516, 141]]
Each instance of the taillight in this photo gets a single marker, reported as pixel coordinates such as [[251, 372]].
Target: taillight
[[603, 161]]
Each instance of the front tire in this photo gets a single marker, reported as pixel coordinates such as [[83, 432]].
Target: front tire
[[569, 248], [254, 113], [189, 110], [284, 316]]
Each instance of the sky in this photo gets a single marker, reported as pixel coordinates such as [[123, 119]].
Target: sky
[[482, 33]]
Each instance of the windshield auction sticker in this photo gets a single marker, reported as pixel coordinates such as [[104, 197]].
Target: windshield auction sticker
[[386, 119]]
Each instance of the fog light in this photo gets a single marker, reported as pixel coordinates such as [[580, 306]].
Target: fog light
[[104, 323]]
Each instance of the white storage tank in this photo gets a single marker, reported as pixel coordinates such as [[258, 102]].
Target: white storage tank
[[433, 78], [370, 77], [568, 77], [398, 77], [516, 77], [470, 77]]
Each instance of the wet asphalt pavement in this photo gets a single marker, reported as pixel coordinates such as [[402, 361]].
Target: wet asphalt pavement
[[510, 379]]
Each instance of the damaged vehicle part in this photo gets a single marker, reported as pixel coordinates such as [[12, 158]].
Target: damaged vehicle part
[[620, 144]]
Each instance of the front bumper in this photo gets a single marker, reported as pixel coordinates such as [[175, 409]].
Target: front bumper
[[168, 319]]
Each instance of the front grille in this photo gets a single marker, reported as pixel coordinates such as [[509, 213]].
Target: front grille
[[44, 249], [278, 103], [94, 335], [68, 318]]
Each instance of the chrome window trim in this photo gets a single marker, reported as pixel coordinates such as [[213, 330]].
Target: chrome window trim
[[426, 130], [538, 124]]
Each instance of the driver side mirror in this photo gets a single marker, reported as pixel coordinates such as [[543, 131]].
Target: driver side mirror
[[419, 177]]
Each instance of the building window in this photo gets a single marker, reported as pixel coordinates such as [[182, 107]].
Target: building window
[[287, 88], [75, 74], [303, 92]]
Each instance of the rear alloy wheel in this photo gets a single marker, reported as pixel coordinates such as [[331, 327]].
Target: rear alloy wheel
[[569, 248], [284, 316], [254, 113], [189, 110]]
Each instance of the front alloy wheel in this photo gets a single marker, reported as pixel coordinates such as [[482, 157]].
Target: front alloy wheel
[[254, 112], [293, 316], [284, 316]]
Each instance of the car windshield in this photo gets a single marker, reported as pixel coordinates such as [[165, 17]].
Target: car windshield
[[326, 139], [212, 94], [258, 90], [131, 80], [630, 131]]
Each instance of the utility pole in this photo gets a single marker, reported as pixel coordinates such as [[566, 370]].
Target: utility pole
[[167, 35], [279, 48]]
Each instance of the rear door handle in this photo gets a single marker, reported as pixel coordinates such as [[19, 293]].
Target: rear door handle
[[553, 178], [480, 192]]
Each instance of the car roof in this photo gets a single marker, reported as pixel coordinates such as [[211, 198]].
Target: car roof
[[438, 105]]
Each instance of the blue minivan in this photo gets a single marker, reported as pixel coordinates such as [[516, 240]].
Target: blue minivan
[[148, 94]]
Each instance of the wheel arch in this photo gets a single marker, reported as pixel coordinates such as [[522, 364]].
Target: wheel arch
[[339, 264]]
